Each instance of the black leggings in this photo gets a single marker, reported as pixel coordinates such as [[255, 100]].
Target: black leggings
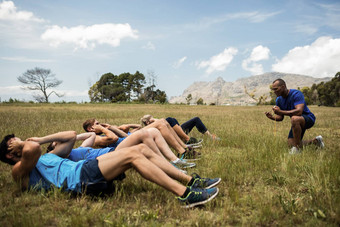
[[189, 125]]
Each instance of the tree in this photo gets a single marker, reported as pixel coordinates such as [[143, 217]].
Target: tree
[[260, 100], [188, 98], [199, 101], [39, 79]]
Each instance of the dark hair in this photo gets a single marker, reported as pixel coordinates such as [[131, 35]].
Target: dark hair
[[281, 82], [4, 149], [88, 123]]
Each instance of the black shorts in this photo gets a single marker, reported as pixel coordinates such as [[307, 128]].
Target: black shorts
[[308, 124], [93, 181]]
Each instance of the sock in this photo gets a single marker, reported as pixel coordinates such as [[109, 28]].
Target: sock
[[191, 181], [185, 193]]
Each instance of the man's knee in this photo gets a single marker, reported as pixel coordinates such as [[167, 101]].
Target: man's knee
[[145, 150], [296, 120]]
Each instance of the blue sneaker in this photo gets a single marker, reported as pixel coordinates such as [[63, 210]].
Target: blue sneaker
[[198, 196], [204, 182]]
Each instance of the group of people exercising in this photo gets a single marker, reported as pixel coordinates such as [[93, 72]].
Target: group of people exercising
[[107, 151]]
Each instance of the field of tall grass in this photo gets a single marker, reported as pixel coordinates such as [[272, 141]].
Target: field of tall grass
[[261, 183]]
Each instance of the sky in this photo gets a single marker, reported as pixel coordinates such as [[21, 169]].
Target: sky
[[177, 41]]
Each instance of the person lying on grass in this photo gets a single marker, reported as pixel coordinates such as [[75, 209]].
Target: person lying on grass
[[32, 170], [150, 137], [107, 136], [85, 151], [184, 129], [291, 102]]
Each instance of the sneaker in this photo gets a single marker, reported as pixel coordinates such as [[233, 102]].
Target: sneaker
[[195, 146], [190, 155], [294, 150], [183, 164], [320, 144], [204, 183], [193, 141], [183, 171], [198, 196], [214, 137]]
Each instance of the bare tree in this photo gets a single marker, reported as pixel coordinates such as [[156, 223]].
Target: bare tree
[[39, 79]]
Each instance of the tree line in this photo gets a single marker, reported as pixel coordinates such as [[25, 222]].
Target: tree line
[[125, 87], [128, 87]]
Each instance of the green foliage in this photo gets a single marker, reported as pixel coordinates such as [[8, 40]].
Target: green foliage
[[123, 88], [326, 94], [200, 101], [188, 99]]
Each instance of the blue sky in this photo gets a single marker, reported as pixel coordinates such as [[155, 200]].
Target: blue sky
[[178, 41]]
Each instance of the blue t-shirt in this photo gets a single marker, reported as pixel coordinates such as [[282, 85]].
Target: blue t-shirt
[[294, 98], [54, 170], [88, 153]]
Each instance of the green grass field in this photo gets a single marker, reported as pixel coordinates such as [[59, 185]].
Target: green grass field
[[261, 183]]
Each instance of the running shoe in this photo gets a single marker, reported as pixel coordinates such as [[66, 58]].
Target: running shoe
[[198, 196], [320, 144], [183, 164], [205, 183]]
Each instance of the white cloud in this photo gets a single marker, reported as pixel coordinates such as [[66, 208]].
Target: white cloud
[[11, 90], [320, 59], [24, 59], [259, 53], [149, 46], [218, 62], [9, 12], [178, 63], [87, 37]]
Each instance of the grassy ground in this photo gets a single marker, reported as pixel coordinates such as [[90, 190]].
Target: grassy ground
[[261, 183]]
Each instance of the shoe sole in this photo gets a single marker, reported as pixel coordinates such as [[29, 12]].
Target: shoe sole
[[186, 167], [201, 202], [193, 144], [191, 159], [214, 184]]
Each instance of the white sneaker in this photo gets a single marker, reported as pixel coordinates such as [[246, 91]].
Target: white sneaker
[[294, 150], [320, 144]]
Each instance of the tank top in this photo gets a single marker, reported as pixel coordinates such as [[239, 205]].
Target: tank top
[[54, 170]]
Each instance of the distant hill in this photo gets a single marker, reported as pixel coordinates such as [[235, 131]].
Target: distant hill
[[221, 92]]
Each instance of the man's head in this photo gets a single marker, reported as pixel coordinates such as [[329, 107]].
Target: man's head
[[89, 124], [6, 155], [279, 87]]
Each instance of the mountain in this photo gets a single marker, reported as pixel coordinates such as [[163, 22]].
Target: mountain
[[221, 92]]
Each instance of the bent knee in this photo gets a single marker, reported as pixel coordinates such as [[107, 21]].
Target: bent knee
[[296, 120]]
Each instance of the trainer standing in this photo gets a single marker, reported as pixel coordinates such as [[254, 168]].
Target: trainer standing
[[291, 102]]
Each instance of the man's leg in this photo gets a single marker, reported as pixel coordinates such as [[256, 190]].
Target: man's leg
[[138, 137], [114, 163], [161, 144], [179, 131], [298, 123], [168, 135]]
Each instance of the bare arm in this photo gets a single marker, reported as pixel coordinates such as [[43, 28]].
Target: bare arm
[[295, 112], [31, 152], [88, 139], [104, 141], [65, 141], [274, 118], [115, 129]]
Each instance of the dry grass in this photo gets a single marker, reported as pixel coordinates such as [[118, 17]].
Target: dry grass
[[261, 183]]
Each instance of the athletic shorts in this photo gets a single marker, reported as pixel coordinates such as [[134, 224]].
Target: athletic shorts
[[308, 124], [92, 180]]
